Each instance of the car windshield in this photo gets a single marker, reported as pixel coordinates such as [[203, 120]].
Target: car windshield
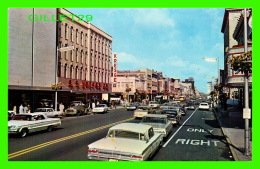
[[154, 120], [23, 117], [40, 110], [167, 104], [204, 104], [153, 103], [132, 104], [171, 112], [174, 108], [125, 134], [142, 108], [10, 113], [100, 105]]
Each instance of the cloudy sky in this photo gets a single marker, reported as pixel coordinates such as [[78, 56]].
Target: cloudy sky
[[170, 40]]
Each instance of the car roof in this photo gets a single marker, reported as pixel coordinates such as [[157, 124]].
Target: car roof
[[135, 127], [36, 113], [155, 115]]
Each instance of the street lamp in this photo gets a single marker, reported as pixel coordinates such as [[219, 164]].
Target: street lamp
[[56, 71], [213, 60]]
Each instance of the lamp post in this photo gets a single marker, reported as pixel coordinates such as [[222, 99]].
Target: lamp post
[[56, 71], [246, 110]]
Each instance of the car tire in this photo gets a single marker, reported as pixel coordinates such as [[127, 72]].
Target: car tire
[[23, 133], [78, 114], [50, 128]]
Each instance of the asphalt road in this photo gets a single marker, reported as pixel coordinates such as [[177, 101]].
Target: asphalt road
[[198, 138]]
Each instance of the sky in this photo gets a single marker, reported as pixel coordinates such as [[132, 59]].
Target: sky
[[169, 40]]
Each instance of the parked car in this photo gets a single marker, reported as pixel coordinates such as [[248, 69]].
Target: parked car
[[160, 123], [165, 105], [76, 110], [132, 106], [143, 110], [126, 142], [154, 104], [23, 124], [101, 108], [11, 114], [49, 112], [204, 106], [173, 116]]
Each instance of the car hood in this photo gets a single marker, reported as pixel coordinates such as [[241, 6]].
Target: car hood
[[120, 144]]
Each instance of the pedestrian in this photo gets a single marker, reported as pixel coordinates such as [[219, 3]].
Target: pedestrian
[[21, 109], [93, 105], [29, 108], [14, 109], [25, 109], [61, 107]]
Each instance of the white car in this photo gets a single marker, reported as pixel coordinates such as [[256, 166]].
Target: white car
[[160, 123], [204, 105], [143, 110], [22, 124], [165, 105], [132, 106], [154, 104], [49, 112], [126, 142], [101, 108]]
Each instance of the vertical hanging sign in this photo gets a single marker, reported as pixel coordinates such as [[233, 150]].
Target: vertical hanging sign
[[115, 68]]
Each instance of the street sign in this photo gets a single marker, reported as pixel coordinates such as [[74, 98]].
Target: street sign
[[246, 113]]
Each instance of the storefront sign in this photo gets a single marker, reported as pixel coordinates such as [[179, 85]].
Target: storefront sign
[[115, 69]]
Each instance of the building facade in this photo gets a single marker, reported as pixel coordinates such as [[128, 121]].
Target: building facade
[[37, 63], [85, 70], [31, 57], [233, 31]]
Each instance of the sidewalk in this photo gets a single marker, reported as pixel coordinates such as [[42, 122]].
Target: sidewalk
[[233, 127]]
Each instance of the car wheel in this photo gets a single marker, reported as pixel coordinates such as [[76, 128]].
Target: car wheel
[[23, 132], [78, 114], [50, 128]]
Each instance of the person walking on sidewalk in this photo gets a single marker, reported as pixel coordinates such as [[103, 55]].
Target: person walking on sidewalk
[[21, 109]]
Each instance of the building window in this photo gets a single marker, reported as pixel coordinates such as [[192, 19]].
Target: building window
[[77, 56], [72, 55], [71, 72], [66, 31], [114, 84], [77, 73], [82, 38], [65, 71], [77, 37], [86, 40], [71, 34], [82, 56], [66, 52], [86, 74]]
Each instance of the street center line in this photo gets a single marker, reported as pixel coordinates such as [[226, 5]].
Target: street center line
[[27, 150], [178, 130]]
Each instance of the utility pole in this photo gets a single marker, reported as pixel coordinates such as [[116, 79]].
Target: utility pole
[[246, 110]]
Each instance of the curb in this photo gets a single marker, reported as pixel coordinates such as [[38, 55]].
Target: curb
[[234, 154]]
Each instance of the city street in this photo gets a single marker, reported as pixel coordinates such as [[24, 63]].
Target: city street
[[198, 138]]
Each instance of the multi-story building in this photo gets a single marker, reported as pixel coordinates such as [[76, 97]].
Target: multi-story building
[[85, 70], [233, 30], [31, 57], [34, 58]]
